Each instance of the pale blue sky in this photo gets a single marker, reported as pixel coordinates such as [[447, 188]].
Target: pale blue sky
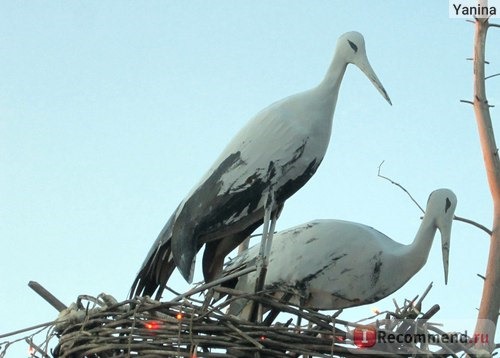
[[111, 111]]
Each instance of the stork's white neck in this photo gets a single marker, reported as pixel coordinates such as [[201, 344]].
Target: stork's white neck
[[330, 85], [415, 254]]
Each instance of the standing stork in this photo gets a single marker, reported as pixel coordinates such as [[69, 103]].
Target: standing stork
[[267, 161], [334, 264]]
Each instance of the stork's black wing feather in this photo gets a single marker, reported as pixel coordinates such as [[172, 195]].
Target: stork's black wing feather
[[157, 267]]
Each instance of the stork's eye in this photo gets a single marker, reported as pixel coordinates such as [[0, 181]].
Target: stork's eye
[[448, 204], [353, 46]]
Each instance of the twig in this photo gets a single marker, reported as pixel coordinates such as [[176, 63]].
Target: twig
[[472, 59], [466, 101], [399, 185], [172, 290], [419, 302], [47, 296], [275, 312], [431, 312], [479, 226], [491, 76], [244, 335], [214, 283], [458, 218], [37, 348], [46, 324]]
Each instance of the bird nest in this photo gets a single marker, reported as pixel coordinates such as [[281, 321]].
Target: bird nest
[[188, 327]]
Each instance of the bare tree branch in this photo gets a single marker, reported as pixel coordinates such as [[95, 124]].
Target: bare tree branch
[[479, 226], [398, 185], [458, 218], [491, 76], [472, 59]]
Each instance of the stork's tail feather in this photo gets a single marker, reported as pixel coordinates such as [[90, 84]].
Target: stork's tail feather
[[157, 268], [154, 274]]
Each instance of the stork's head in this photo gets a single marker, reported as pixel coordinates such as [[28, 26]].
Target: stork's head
[[441, 206], [351, 46]]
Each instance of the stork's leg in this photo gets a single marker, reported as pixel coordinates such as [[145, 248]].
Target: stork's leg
[[265, 229], [269, 240], [244, 245], [264, 250]]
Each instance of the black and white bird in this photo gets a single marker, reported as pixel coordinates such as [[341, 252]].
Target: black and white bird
[[267, 161], [334, 264]]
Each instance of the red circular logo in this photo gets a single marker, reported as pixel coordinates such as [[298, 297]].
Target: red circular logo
[[365, 336]]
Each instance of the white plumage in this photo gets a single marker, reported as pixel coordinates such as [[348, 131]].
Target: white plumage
[[273, 156], [333, 264]]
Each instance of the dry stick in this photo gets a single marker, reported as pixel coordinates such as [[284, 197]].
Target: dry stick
[[275, 312], [491, 76], [419, 302], [285, 308], [244, 335], [214, 283], [399, 185], [431, 312], [46, 324], [473, 223], [47, 296], [455, 217], [38, 349], [237, 295]]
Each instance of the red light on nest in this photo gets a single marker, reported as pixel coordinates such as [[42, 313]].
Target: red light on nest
[[262, 338], [152, 325], [179, 316]]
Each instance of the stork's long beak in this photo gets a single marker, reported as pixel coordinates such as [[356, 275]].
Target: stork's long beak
[[445, 229], [370, 73]]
